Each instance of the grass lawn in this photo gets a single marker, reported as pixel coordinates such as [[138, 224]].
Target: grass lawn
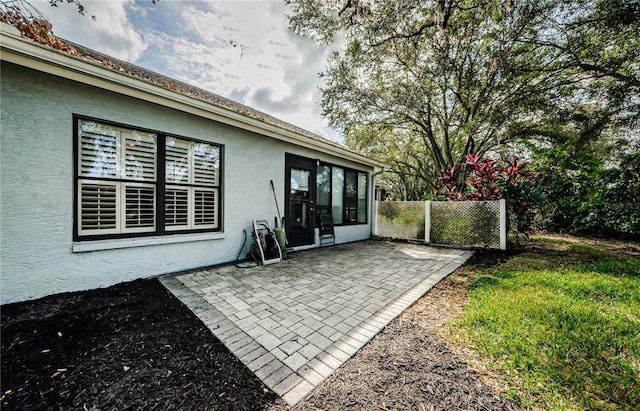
[[560, 326]]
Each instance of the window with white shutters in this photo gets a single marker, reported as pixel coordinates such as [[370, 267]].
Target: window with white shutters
[[192, 171], [117, 179], [121, 190]]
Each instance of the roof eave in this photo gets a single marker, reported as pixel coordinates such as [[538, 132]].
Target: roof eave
[[29, 54]]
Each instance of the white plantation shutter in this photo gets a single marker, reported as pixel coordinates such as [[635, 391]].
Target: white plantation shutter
[[205, 164], [140, 207], [98, 152], [140, 156], [178, 162], [205, 208], [176, 204], [98, 207], [191, 163]]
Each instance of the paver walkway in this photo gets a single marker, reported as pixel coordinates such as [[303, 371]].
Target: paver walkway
[[295, 322]]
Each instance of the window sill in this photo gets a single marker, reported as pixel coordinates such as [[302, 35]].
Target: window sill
[[84, 246]]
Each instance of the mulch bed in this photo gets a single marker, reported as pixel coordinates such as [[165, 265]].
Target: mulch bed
[[404, 368], [134, 346], [130, 346]]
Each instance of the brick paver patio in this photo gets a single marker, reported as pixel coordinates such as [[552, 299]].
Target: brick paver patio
[[295, 322]]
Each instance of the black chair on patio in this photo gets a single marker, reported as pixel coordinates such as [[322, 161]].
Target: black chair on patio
[[327, 234]]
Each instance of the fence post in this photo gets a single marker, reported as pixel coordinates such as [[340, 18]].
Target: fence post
[[427, 222], [503, 224]]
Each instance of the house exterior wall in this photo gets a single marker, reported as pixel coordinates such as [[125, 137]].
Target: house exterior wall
[[38, 255]]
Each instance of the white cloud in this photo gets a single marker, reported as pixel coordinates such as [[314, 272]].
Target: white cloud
[[238, 49], [110, 33], [245, 52]]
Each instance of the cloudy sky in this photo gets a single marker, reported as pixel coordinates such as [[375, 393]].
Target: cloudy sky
[[238, 49]]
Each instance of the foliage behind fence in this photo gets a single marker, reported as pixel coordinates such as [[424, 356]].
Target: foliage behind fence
[[459, 223], [466, 223], [400, 219]]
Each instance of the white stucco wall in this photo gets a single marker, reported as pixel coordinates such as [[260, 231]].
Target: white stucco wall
[[36, 191]]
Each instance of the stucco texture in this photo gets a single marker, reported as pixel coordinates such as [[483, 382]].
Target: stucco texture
[[36, 159]]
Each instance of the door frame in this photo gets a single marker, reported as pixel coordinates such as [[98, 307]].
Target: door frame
[[300, 237]]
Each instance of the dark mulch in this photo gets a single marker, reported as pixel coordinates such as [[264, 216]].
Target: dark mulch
[[404, 368], [130, 346], [134, 346]]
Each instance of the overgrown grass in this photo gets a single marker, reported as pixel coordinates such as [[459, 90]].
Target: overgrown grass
[[561, 325]]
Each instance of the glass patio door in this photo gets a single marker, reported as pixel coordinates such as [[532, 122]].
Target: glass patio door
[[300, 196]]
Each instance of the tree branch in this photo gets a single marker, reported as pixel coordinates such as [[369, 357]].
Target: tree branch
[[416, 33]]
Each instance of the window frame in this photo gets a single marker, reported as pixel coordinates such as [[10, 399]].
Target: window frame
[[160, 186], [345, 171]]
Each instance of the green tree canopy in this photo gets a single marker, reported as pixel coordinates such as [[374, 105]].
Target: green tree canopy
[[421, 84]]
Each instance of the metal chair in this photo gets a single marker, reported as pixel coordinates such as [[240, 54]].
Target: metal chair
[[327, 234]]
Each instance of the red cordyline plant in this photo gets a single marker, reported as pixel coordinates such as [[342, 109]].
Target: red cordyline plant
[[482, 179], [451, 185]]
